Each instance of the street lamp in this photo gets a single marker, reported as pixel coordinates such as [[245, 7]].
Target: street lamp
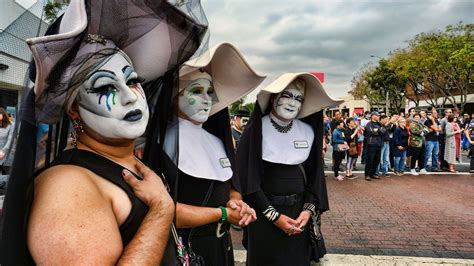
[[386, 92]]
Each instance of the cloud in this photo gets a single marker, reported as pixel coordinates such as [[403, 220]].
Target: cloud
[[334, 37]]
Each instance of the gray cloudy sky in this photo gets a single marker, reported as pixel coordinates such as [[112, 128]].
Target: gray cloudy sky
[[331, 36]]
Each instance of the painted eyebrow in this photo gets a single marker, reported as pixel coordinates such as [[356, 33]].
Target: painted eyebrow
[[127, 71], [287, 93], [100, 74], [196, 84]]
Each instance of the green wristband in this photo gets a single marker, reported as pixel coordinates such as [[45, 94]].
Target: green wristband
[[224, 214]]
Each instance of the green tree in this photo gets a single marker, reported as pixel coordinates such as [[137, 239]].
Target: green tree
[[442, 61], [405, 65], [250, 107], [435, 65], [361, 86], [236, 106], [239, 104], [51, 10], [383, 80]]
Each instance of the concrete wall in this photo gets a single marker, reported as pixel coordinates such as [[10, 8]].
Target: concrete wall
[[22, 22], [351, 104], [14, 76]]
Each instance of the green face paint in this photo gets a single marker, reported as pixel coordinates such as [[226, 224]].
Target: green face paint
[[113, 98], [191, 101]]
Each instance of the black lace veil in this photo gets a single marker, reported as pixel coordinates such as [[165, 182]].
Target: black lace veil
[[157, 36]]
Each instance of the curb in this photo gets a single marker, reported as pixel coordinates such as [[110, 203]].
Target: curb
[[407, 173], [340, 259]]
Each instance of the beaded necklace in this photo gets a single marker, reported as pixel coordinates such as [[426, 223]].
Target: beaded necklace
[[280, 128]]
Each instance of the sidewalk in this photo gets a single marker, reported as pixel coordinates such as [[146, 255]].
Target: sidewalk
[[337, 259], [462, 167]]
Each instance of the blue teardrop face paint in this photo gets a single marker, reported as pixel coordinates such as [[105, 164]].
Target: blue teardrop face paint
[[107, 95], [112, 102]]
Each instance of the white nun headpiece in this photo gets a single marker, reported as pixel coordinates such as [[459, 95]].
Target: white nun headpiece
[[232, 75], [315, 97]]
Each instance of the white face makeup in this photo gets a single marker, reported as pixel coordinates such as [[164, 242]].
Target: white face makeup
[[112, 102], [196, 100], [288, 103], [244, 121]]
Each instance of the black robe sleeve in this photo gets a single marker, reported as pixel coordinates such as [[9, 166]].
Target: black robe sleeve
[[219, 126], [258, 200], [249, 162], [316, 191], [249, 154]]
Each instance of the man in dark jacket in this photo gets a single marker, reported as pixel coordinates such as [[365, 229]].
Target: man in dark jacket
[[363, 123], [392, 125], [240, 121], [385, 150], [374, 133], [335, 120]]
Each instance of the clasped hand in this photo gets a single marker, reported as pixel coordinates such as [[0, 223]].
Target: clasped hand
[[238, 212], [291, 226]]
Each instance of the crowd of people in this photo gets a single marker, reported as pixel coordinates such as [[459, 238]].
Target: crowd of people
[[100, 198], [399, 143], [97, 200]]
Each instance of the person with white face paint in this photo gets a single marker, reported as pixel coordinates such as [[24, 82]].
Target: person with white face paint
[[112, 99], [95, 202], [287, 104], [280, 164], [200, 168], [241, 119], [109, 101], [195, 100]]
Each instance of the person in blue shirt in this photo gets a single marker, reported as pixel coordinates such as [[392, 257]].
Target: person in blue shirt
[[338, 154]]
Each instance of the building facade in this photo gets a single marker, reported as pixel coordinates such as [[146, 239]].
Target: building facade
[[17, 23]]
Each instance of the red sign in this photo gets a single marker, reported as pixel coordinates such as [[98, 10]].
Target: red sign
[[319, 75]]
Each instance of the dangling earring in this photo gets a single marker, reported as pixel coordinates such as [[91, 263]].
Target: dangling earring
[[76, 129]]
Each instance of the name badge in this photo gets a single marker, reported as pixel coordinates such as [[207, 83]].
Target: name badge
[[225, 162], [301, 144]]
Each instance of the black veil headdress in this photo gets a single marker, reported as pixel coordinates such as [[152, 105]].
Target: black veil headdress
[[157, 36]]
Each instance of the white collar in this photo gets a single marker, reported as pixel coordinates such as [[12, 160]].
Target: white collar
[[290, 148], [201, 154]]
